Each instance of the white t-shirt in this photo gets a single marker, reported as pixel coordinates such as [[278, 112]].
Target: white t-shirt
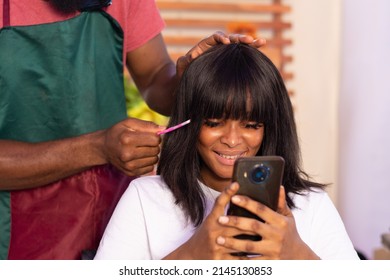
[[147, 224]]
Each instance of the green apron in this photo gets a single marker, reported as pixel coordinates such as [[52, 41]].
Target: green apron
[[60, 80]]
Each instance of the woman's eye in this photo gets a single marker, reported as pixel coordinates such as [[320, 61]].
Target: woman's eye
[[211, 123], [254, 125]]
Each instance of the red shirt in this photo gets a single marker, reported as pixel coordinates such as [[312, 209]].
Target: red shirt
[[139, 19]]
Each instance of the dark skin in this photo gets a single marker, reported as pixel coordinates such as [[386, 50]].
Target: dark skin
[[280, 238], [131, 145]]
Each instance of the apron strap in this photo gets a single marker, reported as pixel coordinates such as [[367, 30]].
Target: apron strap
[[93, 5], [89, 5], [6, 18]]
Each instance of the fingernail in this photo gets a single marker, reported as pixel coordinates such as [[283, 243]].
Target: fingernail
[[236, 199], [220, 240], [233, 186], [223, 220]]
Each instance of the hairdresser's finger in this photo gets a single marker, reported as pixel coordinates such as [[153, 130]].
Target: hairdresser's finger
[[216, 38], [247, 39], [258, 43]]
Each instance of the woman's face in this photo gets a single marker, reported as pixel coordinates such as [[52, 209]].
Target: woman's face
[[220, 143]]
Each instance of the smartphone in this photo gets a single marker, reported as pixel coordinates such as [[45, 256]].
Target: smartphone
[[260, 178]]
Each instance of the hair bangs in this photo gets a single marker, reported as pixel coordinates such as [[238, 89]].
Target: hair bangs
[[231, 84], [234, 92]]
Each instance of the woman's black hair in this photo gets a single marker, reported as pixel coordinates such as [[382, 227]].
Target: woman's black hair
[[238, 82]]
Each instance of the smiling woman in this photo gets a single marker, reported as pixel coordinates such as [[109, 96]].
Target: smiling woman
[[232, 96], [220, 143], [239, 107]]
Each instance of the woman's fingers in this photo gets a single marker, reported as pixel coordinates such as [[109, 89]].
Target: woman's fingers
[[260, 210], [244, 225], [282, 203], [224, 199]]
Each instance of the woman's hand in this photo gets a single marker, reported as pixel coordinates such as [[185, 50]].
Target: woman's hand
[[280, 238], [203, 244], [212, 40]]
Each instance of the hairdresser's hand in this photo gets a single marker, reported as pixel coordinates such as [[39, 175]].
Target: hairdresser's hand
[[132, 145], [217, 38], [280, 238], [203, 244]]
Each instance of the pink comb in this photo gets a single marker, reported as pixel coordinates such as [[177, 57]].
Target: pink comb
[[173, 127]]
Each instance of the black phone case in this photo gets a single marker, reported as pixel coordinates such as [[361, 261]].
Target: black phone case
[[260, 178]]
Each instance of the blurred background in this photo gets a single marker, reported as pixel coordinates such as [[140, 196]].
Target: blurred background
[[335, 58]]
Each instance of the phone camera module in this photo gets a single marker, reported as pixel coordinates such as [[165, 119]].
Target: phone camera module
[[259, 174]]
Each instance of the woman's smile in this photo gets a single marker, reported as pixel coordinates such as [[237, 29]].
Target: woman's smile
[[228, 158], [220, 143]]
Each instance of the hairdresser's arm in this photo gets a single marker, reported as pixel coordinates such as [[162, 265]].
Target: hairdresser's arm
[[131, 145], [155, 74], [280, 238]]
